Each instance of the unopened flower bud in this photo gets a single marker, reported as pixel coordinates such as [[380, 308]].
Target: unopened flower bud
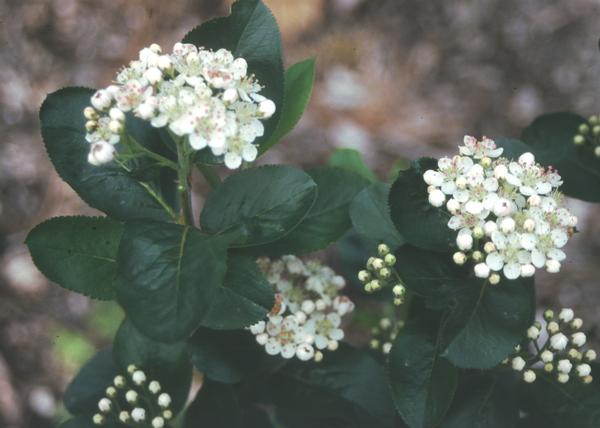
[[478, 256], [154, 387], [494, 278], [452, 205], [518, 363], [552, 327], [437, 198], [578, 339], [590, 355], [386, 348], [579, 140], [230, 95], [529, 225], [577, 323], [559, 341], [111, 392], [548, 314], [364, 276], [593, 120], [124, 416], [138, 377], [164, 400], [564, 366], [168, 414], [318, 356], [489, 247], [459, 258], [548, 367], [115, 126], [562, 378], [119, 381], [384, 273], [534, 200], [399, 290], [158, 422], [383, 250], [104, 405], [587, 379], [131, 396], [507, 225], [529, 376], [461, 182], [478, 232], [101, 100], [574, 354], [482, 270], [547, 356], [584, 128], [266, 108], [90, 125], [464, 241], [390, 260], [398, 300], [98, 419], [527, 159], [533, 333], [138, 414], [485, 162], [596, 130], [90, 113], [566, 315], [597, 151], [377, 263]]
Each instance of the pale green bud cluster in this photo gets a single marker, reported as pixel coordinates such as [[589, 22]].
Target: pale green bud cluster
[[384, 335], [380, 273], [588, 134]]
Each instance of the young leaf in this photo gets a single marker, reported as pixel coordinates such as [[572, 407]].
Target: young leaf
[[249, 32], [370, 216], [423, 383], [88, 387], [485, 321], [167, 276], [551, 140], [352, 160], [229, 356], [259, 204], [107, 188], [348, 388], [419, 223], [215, 406], [328, 218], [78, 253], [244, 298], [167, 363]]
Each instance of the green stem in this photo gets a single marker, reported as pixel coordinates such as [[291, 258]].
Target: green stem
[[139, 150], [209, 174], [183, 171]]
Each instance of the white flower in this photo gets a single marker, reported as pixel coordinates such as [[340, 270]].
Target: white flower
[[578, 339], [518, 363], [324, 329], [559, 341], [437, 198], [138, 377], [101, 100], [482, 270], [533, 333], [564, 366], [547, 356], [131, 396], [154, 387], [529, 376], [158, 422], [138, 414], [104, 405], [101, 153], [164, 400], [563, 378], [566, 315], [583, 370]]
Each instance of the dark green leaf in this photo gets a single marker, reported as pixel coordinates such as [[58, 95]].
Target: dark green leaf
[[485, 321], [370, 216], [347, 389], [167, 363], [78, 253], [419, 223], [82, 422], [352, 160], [423, 383], [215, 406], [299, 80], [551, 140], [328, 218], [259, 204], [88, 387], [245, 297], [229, 356], [167, 276], [108, 188], [250, 32]]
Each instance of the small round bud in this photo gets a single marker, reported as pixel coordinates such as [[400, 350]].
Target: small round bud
[[116, 114], [566, 315], [562, 378], [131, 368], [333, 345], [164, 400], [593, 120], [574, 354], [138, 377], [584, 128], [383, 250], [559, 341], [489, 247], [564, 366], [318, 356], [374, 344], [461, 182], [131, 396], [364, 276], [90, 113], [385, 323], [390, 260], [101, 100], [154, 386], [596, 130], [384, 273], [377, 263], [320, 305], [518, 363], [459, 258], [502, 207], [375, 285], [478, 232], [308, 306], [534, 200], [386, 348], [577, 323], [115, 126], [527, 270], [494, 278], [437, 198], [230, 95], [398, 301], [266, 109], [578, 339], [452, 205], [104, 405], [158, 422], [368, 287], [485, 162], [399, 290], [533, 333], [124, 416], [527, 159], [549, 367], [548, 314], [529, 225], [587, 379], [597, 152], [552, 327], [507, 225], [547, 356], [98, 419], [579, 140], [482, 270], [111, 392], [590, 355], [119, 381], [478, 256], [464, 241], [90, 125], [490, 227], [138, 414], [529, 376]]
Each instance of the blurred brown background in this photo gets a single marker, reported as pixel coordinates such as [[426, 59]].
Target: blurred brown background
[[397, 79]]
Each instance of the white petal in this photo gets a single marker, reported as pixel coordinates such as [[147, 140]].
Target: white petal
[[232, 160], [528, 241], [538, 258], [494, 261], [512, 270]]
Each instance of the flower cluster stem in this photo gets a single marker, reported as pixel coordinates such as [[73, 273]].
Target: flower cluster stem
[[183, 171]]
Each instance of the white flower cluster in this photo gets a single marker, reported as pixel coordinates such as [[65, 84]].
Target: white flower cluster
[[308, 310], [207, 97], [384, 334], [509, 215], [561, 351], [380, 273], [137, 392]]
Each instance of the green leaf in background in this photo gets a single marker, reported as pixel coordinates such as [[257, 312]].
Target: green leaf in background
[[167, 363], [107, 188], [352, 160], [419, 223], [551, 139], [78, 253], [485, 322], [229, 356], [328, 218], [370, 216], [250, 32], [423, 383], [347, 389], [484, 402], [244, 298], [299, 79], [167, 276], [82, 422], [259, 204], [215, 406], [88, 387]]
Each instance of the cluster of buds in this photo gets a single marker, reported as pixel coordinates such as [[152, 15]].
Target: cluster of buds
[[509, 216], [589, 134], [148, 404], [308, 311], [560, 353], [380, 273], [385, 334], [203, 96]]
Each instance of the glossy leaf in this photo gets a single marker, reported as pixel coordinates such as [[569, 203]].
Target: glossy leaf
[[244, 298], [167, 276], [299, 79], [259, 205], [370, 216], [216, 406], [167, 363], [78, 253], [419, 223], [107, 188], [423, 383]]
